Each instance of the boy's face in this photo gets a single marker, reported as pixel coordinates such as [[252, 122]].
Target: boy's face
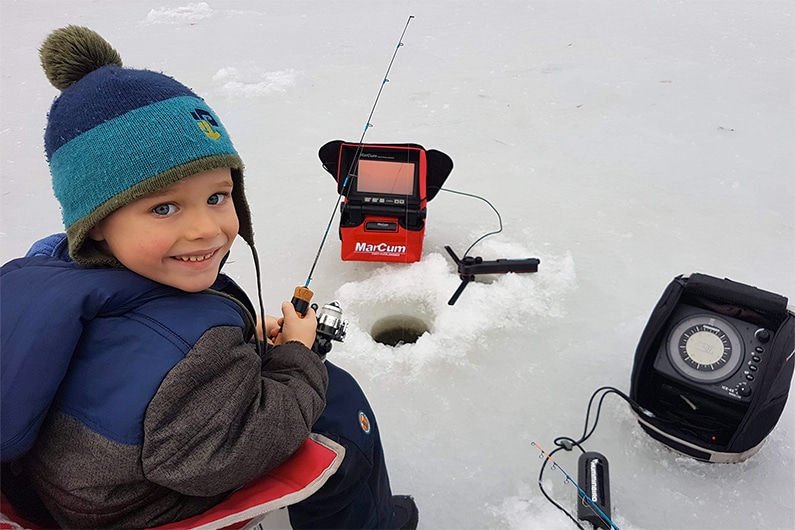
[[178, 235]]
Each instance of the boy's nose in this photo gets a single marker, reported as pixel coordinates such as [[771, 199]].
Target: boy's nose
[[202, 224]]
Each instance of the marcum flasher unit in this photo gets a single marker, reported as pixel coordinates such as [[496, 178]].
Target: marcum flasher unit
[[386, 188]]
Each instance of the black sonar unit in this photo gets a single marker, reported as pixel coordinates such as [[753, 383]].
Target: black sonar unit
[[714, 366]]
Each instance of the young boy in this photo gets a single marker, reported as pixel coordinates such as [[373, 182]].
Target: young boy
[[134, 390]]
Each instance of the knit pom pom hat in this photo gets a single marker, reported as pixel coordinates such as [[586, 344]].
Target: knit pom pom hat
[[116, 134]]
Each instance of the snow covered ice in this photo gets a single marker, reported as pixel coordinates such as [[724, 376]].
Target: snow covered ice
[[623, 143]]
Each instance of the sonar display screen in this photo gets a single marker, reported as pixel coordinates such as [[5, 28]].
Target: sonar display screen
[[385, 177]]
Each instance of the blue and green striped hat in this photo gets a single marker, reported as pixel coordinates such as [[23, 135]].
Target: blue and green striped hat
[[116, 134]]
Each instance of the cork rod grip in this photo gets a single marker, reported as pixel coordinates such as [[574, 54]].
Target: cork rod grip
[[301, 298]]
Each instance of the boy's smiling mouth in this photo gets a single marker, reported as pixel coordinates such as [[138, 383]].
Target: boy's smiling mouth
[[195, 257]]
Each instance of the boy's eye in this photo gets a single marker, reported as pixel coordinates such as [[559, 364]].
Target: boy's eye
[[164, 209], [217, 198]]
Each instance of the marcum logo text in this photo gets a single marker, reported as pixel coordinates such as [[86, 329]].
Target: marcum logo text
[[380, 248]]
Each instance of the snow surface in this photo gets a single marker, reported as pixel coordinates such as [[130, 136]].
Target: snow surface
[[623, 143]]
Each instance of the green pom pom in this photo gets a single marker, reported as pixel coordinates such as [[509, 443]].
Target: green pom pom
[[69, 53]]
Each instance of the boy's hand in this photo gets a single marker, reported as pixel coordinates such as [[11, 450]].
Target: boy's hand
[[271, 326], [296, 328]]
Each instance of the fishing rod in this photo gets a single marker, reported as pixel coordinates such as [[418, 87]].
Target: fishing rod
[[582, 493], [593, 468], [303, 295]]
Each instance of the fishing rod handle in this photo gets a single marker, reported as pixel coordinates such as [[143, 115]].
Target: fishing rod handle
[[301, 298]]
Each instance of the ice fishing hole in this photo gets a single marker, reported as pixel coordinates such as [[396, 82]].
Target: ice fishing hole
[[395, 330]]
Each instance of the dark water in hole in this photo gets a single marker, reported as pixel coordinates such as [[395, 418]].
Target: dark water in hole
[[398, 329]]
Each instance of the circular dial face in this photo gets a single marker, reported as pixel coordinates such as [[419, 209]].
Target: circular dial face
[[705, 348]]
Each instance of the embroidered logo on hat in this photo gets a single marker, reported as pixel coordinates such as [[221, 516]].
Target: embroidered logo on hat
[[364, 422], [206, 123]]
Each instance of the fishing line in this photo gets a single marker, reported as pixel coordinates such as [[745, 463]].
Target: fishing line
[[355, 160]]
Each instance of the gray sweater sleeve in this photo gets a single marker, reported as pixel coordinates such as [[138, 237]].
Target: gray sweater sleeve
[[221, 418]]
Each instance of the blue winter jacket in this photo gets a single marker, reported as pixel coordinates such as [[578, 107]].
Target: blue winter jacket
[[130, 403]]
